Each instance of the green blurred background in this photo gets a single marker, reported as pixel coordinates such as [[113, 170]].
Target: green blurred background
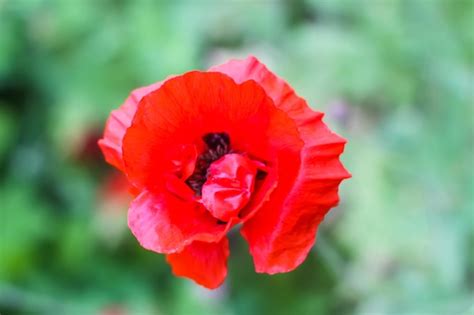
[[394, 77]]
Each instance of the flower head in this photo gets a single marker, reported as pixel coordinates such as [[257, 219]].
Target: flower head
[[209, 150]]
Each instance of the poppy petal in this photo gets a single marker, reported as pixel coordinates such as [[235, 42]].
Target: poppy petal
[[229, 185], [118, 122], [205, 263], [165, 223], [283, 231], [190, 106]]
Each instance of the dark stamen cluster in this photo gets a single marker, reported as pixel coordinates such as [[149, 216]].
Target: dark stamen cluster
[[218, 145]]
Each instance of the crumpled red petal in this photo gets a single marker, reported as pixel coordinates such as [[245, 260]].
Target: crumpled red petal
[[229, 185], [189, 106], [283, 231], [205, 263], [165, 223]]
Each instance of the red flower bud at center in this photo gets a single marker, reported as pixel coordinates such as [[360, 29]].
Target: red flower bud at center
[[229, 185]]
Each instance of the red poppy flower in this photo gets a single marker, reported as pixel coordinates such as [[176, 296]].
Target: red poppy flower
[[209, 150]]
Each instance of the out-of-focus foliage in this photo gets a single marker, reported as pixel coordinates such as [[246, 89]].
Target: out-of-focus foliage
[[394, 77]]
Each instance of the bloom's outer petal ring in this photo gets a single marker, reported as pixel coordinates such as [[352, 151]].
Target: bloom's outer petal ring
[[280, 240]]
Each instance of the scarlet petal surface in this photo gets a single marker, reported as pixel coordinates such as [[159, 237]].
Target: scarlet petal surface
[[165, 223], [229, 186], [283, 231], [205, 263], [118, 122], [187, 107], [182, 160]]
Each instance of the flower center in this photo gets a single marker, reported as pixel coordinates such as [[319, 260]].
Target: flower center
[[229, 185], [218, 145]]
